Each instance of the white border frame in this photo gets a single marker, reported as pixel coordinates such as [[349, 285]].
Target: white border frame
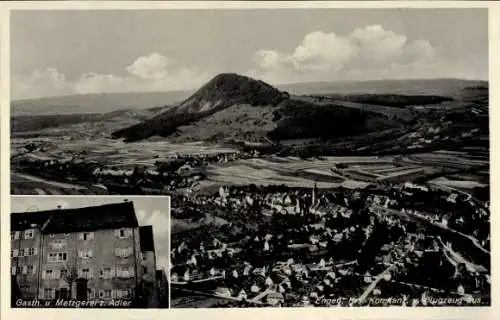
[[316, 313]]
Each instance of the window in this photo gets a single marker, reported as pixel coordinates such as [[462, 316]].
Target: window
[[124, 272], [58, 244], [123, 252], [86, 273], [30, 269], [123, 233], [57, 257], [121, 294], [21, 253], [106, 273], [14, 235], [87, 254], [49, 293], [105, 294], [48, 274], [30, 252], [144, 270], [86, 236], [64, 273], [29, 234]]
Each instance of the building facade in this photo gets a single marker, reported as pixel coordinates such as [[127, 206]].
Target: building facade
[[92, 253]]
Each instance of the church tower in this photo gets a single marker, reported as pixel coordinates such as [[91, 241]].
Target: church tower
[[314, 193]]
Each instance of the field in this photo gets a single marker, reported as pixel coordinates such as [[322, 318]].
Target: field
[[120, 154], [297, 172], [26, 184]]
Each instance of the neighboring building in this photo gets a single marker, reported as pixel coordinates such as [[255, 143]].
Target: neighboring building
[[83, 254], [148, 264], [162, 285]]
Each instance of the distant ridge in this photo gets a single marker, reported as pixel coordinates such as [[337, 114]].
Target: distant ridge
[[241, 108], [107, 102]]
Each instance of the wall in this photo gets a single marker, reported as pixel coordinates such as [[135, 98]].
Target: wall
[[103, 247], [28, 283]]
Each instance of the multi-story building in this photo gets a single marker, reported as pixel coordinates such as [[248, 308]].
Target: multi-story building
[[83, 254]]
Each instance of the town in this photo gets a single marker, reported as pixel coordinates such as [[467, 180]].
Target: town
[[277, 246]]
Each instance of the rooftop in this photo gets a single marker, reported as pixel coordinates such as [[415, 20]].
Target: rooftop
[[109, 216]]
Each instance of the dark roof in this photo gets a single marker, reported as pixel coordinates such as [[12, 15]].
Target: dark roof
[[109, 216], [146, 238], [27, 220]]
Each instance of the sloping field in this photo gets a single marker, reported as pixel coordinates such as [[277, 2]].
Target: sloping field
[[244, 175], [28, 185], [460, 184]]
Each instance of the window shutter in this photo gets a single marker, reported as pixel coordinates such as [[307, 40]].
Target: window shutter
[[91, 273], [34, 269], [91, 236], [16, 235], [25, 269], [113, 294], [80, 236], [35, 251], [117, 233], [90, 254], [44, 274], [13, 271], [15, 253], [117, 252]]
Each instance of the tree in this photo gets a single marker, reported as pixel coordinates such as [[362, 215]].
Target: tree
[[70, 277]]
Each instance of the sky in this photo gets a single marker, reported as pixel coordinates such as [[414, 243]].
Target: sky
[[153, 211], [93, 51]]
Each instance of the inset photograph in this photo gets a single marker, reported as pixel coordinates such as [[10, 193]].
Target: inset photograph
[[89, 251]]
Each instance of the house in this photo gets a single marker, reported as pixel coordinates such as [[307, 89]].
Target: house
[[223, 292], [275, 298], [84, 253]]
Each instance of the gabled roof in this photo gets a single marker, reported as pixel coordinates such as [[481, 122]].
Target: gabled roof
[[109, 216]]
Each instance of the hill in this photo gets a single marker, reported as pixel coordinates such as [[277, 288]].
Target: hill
[[232, 106], [223, 91], [94, 103]]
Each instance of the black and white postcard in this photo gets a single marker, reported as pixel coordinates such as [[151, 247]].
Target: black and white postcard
[[326, 156]]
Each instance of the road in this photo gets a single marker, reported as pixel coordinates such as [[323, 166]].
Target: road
[[457, 258], [215, 295]]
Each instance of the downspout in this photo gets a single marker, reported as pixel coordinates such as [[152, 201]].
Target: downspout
[[40, 261], [135, 258]]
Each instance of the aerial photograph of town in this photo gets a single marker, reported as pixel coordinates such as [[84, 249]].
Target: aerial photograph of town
[[314, 158]]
